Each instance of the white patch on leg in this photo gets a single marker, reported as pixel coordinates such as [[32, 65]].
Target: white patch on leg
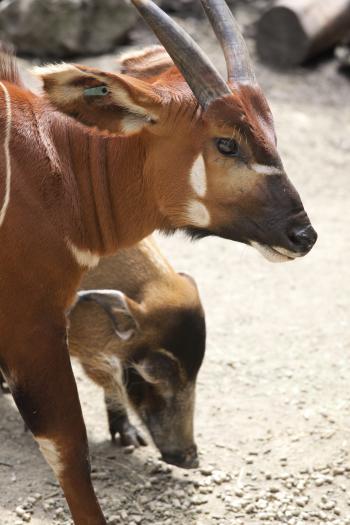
[[83, 257], [50, 451], [197, 214], [6, 201], [198, 177], [266, 170], [134, 123]]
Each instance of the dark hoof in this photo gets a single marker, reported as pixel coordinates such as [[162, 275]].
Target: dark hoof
[[130, 436]]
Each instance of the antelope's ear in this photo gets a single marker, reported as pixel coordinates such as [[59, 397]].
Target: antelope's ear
[[145, 64], [116, 103]]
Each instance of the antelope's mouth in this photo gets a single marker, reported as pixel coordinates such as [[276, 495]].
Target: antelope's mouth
[[275, 253]]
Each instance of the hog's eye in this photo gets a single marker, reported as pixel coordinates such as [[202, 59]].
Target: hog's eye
[[227, 147]]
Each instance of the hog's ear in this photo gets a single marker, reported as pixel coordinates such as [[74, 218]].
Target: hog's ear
[[115, 103], [122, 310], [159, 367], [189, 278]]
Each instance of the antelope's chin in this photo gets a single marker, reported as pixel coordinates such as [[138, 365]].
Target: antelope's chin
[[274, 254]]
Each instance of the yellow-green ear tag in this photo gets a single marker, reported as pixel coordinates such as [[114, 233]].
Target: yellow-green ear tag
[[99, 91]]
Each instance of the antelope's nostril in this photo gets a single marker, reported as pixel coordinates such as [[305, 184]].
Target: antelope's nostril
[[302, 238]]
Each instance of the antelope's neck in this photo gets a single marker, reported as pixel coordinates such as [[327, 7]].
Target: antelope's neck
[[111, 202]]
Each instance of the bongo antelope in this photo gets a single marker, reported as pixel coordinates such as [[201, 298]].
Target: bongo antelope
[[187, 150]]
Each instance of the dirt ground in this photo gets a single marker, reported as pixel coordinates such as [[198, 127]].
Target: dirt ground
[[273, 405]]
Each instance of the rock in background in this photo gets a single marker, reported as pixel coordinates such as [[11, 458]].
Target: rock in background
[[66, 28], [61, 28]]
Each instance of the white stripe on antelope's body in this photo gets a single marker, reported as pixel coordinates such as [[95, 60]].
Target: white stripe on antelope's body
[[7, 130]]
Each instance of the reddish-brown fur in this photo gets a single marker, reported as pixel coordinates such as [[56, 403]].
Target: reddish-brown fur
[[77, 194]]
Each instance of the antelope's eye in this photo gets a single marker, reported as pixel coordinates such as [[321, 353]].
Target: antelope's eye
[[228, 147]]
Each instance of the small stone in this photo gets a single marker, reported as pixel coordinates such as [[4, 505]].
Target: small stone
[[124, 515], [301, 501], [319, 482], [199, 500], [250, 509], [20, 512], [206, 471], [137, 518], [261, 504], [129, 449], [329, 505]]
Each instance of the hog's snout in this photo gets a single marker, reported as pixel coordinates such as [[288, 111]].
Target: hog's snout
[[302, 238], [184, 459]]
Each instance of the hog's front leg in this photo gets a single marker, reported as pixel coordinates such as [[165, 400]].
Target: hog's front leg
[[119, 423]]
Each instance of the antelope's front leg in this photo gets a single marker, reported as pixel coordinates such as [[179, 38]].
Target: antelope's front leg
[[39, 373]]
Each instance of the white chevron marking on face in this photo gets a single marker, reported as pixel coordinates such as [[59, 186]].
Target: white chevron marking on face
[[198, 177], [266, 170], [197, 214]]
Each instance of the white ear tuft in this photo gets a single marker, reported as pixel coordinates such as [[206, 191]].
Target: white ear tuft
[[62, 72]]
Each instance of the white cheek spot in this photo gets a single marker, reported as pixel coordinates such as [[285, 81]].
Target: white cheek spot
[[198, 177], [83, 257], [134, 123], [266, 170], [6, 201], [197, 214], [51, 453], [130, 125]]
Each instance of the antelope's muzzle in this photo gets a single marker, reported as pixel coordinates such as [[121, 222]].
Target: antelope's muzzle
[[302, 238]]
